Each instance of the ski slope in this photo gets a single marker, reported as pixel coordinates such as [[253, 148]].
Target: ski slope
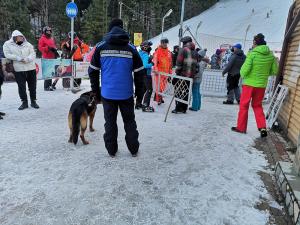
[[228, 20]]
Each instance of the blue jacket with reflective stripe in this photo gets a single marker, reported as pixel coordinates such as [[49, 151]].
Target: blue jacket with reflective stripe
[[117, 60]]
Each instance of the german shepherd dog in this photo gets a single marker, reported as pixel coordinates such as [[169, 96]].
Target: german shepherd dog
[[80, 110]]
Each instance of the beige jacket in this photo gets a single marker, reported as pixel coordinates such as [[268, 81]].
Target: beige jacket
[[23, 56]]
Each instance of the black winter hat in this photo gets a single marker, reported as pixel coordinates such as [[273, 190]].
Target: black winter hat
[[186, 39], [115, 23], [164, 40], [260, 39]]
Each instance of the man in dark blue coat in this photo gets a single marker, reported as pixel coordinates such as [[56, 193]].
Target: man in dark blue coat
[[118, 60]]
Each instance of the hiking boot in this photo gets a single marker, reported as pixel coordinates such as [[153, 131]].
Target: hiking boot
[[238, 131], [2, 114], [1, 118], [192, 109], [138, 106], [263, 132], [227, 102], [176, 111], [34, 105], [49, 89], [148, 109], [112, 155], [23, 106]]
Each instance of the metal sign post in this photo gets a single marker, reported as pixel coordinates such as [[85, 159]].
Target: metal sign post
[[71, 11]]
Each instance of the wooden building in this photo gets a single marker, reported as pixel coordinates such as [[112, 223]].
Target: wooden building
[[289, 74]]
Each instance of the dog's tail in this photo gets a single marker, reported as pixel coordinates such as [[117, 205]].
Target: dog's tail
[[76, 114]]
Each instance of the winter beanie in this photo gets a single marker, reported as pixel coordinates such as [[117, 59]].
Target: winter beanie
[[218, 51], [239, 46], [260, 39], [186, 39], [202, 52], [115, 23]]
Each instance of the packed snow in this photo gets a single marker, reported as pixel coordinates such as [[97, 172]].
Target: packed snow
[[226, 23], [190, 170]]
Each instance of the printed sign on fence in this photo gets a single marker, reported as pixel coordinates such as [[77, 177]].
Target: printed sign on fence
[[38, 66], [81, 69], [138, 39], [56, 68]]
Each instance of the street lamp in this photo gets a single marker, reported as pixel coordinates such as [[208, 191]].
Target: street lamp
[[198, 26], [248, 28], [163, 21], [181, 21]]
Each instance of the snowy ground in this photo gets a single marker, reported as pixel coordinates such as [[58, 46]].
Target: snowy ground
[[190, 170]]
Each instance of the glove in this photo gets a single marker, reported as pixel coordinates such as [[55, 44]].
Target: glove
[[52, 49]]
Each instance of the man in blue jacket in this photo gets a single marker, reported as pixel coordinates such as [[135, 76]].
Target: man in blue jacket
[[145, 56], [117, 59]]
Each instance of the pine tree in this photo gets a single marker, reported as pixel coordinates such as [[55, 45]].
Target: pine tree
[[14, 16], [95, 22]]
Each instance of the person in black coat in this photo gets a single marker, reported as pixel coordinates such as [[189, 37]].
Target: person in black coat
[[233, 69], [174, 55]]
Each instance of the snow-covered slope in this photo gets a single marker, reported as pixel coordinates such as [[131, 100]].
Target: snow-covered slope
[[229, 19]]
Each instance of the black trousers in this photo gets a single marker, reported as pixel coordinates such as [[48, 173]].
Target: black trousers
[[182, 92], [30, 78], [110, 136], [232, 82], [149, 89], [47, 83]]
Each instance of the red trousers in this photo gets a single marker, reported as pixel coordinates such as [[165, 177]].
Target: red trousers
[[255, 96]]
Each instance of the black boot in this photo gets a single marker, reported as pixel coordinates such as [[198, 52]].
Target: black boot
[[24, 105], [138, 106], [2, 114], [34, 105], [227, 102], [263, 132]]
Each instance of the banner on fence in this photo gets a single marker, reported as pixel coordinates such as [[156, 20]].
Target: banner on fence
[[38, 66], [81, 69], [52, 68]]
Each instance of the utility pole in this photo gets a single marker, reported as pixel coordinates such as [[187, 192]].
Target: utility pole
[[248, 28], [120, 15], [181, 21]]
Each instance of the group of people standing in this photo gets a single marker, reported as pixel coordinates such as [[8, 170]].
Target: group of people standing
[[185, 61], [118, 59], [49, 50], [22, 54]]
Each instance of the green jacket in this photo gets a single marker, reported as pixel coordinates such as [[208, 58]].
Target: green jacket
[[259, 65]]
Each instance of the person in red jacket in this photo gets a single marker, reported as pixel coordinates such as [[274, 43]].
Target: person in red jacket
[[48, 49]]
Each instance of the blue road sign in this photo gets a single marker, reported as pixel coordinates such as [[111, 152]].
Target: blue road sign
[[71, 10]]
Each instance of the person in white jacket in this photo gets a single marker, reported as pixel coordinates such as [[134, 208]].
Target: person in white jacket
[[21, 52]]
